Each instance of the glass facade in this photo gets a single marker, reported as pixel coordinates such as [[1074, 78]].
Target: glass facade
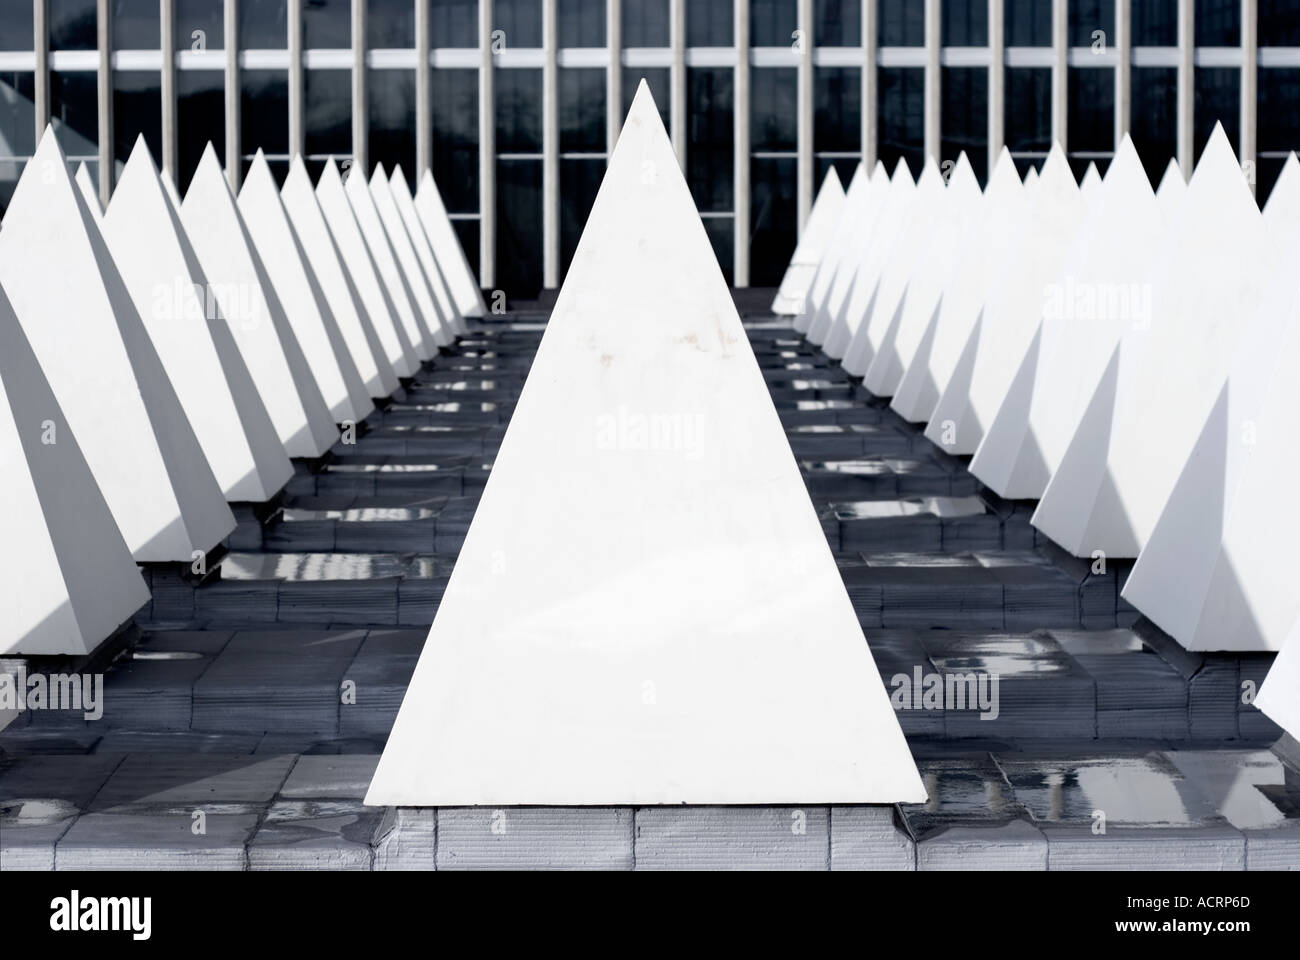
[[729, 132]]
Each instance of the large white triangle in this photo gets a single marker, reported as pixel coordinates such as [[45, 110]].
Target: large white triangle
[[92, 346], [1012, 310], [1103, 288], [992, 241], [1279, 697], [446, 247], [162, 273], [836, 326], [1218, 571], [825, 213], [863, 202], [68, 575], [645, 610], [239, 283], [899, 260], [296, 287], [341, 296], [385, 261], [1208, 286], [434, 271], [355, 254], [931, 274]]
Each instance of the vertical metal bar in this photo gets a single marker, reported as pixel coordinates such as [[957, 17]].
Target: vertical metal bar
[[870, 85], [614, 78], [933, 81], [550, 149], [487, 151], [1060, 73], [296, 133], [423, 96], [997, 82], [231, 30], [805, 172], [1249, 87], [740, 126], [41, 81], [1186, 83], [104, 88]]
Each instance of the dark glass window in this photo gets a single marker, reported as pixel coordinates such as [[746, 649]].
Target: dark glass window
[[709, 23], [518, 95], [659, 81], [579, 182], [467, 232], [520, 21], [454, 101], [1154, 118], [74, 112], [773, 218], [1279, 109], [582, 110], [453, 23], [965, 23], [965, 119], [580, 23], [1279, 23], [1091, 113], [1155, 23], [327, 24], [519, 228], [1218, 23], [645, 24], [137, 109], [710, 93], [1279, 124], [773, 126], [1028, 23], [390, 24], [1218, 99], [901, 130], [837, 23], [1028, 119], [837, 102], [16, 130], [1088, 16], [772, 23], [17, 31], [390, 96], [135, 25], [901, 23], [264, 112], [837, 120], [200, 119], [73, 24], [263, 25], [327, 113]]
